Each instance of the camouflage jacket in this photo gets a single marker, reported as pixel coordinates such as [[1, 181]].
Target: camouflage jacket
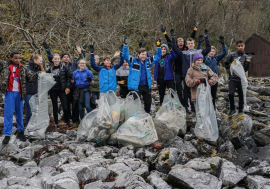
[[24, 75]]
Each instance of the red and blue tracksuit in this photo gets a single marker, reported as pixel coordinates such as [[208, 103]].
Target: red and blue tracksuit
[[13, 102]]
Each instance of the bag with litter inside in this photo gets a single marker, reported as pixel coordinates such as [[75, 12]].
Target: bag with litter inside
[[139, 130], [170, 118], [106, 120], [206, 122], [238, 69], [39, 120], [132, 104]]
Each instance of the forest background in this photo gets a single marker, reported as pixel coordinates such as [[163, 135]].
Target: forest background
[[25, 24]]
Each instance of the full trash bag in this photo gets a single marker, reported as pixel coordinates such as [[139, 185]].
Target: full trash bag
[[139, 130], [238, 69], [106, 120], [170, 118], [206, 122], [39, 120], [132, 104]]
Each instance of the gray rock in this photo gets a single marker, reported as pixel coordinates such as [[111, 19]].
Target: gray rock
[[253, 100], [262, 169], [99, 184], [64, 180], [71, 134], [23, 183], [264, 153], [251, 93], [189, 137], [169, 157], [47, 172], [183, 177], [185, 147], [209, 165], [258, 182], [9, 149], [80, 152], [140, 153], [262, 137], [157, 182], [231, 174], [127, 151], [53, 161], [131, 181], [203, 147], [24, 155], [3, 183], [56, 136], [257, 113]]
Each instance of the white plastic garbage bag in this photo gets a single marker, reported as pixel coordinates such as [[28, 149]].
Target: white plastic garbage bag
[[106, 120], [170, 118], [132, 104], [39, 120], [139, 130], [206, 121], [238, 69]]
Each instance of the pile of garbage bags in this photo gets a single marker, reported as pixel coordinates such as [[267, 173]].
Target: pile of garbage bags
[[170, 119], [206, 123], [98, 125]]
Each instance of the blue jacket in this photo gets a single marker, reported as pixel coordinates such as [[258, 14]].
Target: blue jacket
[[107, 77], [135, 64], [80, 77], [187, 56], [212, 62], [168, 69]]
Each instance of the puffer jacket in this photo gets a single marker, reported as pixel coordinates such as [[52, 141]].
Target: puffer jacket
[[194, 73], [244, 59], [65, 75], [32, 87], [24, 76]]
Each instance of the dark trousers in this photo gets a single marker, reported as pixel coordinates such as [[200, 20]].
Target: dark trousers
[[187, 96], [147, 98], [124, 92], [178, 86], [233, 86], [63, 98], [214, 93], [95, 96], [75, 110], [162, 84]]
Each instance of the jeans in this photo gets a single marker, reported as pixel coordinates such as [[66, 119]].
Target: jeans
[[86, 104], [28, 113], [95, 96]]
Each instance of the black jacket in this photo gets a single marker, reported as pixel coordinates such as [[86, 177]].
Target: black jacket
[[243, 59], [65, 76], [32, 88]]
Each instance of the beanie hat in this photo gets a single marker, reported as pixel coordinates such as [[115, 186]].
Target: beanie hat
[[166, 46], [197, 56], [63, 54]]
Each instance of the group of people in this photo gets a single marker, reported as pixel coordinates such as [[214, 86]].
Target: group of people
[[79, 83]]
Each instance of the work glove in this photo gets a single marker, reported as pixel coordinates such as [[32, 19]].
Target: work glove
[[172, 33], [205, 34], [202, 80], [89, 78], [125, 42], [196, 24], [45, 45], [141, 45], [91, 49], [67, 90], [221, 40], [158, 43], [122, 82], [163, 29], [201, 38], [1, 41]]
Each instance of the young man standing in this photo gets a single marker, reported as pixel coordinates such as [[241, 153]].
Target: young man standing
[[187, 57], [13, 85], [234, 80], [139, 78]]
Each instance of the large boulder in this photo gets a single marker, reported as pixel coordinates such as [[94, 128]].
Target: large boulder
[[262, 137], [231, 174], [262, 169], [258, 182], [183, 177], [236, 129], [157, 181]]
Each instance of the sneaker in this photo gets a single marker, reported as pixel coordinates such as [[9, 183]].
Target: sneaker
[[68, 126], [57, 127], [231, 113], [6, 140], [20, 135], [240, 111]]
